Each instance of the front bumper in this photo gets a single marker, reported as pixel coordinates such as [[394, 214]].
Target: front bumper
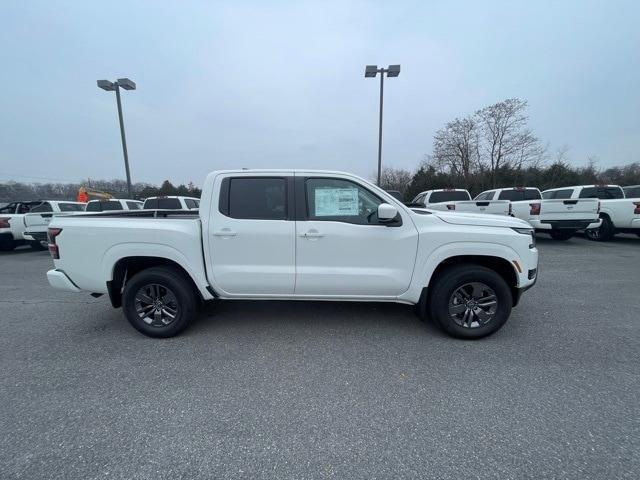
[[58, 279]]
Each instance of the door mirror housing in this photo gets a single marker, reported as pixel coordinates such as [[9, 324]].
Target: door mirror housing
[[387, 212]]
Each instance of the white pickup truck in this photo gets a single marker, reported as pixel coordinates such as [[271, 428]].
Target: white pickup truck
[[560, 218], [37, 220], [459, 200], [12, 223], [297, 235], [618, 214]]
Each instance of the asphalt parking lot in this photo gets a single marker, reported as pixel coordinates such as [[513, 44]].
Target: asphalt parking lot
[[327, 390]]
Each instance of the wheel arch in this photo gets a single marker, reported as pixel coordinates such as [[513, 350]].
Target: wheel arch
[[126, 267]]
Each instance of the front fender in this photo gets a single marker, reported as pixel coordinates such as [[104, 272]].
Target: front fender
[[424, 270]]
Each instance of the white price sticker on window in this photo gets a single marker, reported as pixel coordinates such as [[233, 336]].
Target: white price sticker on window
[[336, 202]]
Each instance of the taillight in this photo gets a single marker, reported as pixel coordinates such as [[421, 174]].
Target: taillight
[[535, 209], [636, 211], [451, 207], [4, 222], [52, 233]]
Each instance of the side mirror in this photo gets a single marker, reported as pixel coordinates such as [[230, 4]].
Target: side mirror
[[386, 212]]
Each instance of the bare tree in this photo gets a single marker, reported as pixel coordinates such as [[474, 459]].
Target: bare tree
[[456, 147], [507, 140], [395, 179]]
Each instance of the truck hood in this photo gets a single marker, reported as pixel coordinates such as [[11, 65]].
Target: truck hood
[[480, 219]]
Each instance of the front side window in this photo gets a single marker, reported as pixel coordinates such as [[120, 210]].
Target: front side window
[[43, 207], [261, 198], [71, 207], [632, 192], [342, 201], [558, 194], [531, 194], [485, 196], [134, 205]]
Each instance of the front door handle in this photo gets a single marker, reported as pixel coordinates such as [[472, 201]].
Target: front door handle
[[225, 232]]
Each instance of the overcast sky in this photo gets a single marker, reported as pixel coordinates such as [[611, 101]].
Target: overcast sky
[[280, 84]]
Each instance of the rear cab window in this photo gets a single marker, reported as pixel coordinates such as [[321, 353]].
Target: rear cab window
[[103, 206], [449, 196], [43, 207], [169, 204], [71, 207], [519, 194], [558, 194]]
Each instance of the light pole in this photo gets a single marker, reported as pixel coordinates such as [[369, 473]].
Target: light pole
[[371, 71], [108, 86]]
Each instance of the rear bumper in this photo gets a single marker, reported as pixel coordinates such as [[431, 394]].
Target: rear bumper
[[580, 224], [58, 279], [35, 236]]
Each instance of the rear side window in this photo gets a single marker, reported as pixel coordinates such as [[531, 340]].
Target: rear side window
[[559, 194], [262, 198], [190, 203], [71, 207], [532, 194], [134, 205], [603, 193], [419, 199], [169, 204], [43, 207], [439, 197]]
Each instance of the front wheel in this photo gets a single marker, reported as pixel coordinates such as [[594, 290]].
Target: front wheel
[[603, 233], [561, 234], [470, 301], [160, 301]]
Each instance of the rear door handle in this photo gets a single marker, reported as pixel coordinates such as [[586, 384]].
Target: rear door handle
[[225, 232], [312, 234]]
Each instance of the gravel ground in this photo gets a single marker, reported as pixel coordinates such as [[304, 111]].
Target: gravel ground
[[327, 390]]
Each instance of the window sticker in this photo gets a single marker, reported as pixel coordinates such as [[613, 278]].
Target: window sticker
[[336, 202]]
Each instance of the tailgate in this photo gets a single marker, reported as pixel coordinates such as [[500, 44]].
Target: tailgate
[[495, 207], [569, 209], [37, 220]]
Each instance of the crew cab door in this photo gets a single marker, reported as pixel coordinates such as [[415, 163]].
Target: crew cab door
[[251, 234], [342, 250]]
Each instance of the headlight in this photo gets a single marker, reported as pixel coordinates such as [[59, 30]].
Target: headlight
[[527, 231]]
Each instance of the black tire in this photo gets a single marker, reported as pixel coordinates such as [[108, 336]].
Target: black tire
[[561, 235], [176, 293], [603, 233], [7, 246], [458, 277], [35, 245]]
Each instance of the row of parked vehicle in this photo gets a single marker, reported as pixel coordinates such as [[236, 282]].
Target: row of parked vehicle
[[600, 211], [27, 222]]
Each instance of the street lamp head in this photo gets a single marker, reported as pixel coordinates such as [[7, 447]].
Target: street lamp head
[[130, 84], [370, 71], [106, 85], [393, 71]]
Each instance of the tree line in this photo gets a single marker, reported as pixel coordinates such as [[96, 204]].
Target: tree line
[[15, 191], [494, 147]]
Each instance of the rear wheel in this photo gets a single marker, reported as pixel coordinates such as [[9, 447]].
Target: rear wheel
[[160, 301], [470, 301], [561, 234], [603, 233]]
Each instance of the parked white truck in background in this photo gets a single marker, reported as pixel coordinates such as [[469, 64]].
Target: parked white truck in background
[[297, 235], [12, 225], [560, 218], [37, 220], [458, 200], [618, 214]]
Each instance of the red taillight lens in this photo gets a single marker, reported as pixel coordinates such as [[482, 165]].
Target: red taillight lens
[[52, 233], [535, 209], [636, 211], [451, 207], [4, 222]]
